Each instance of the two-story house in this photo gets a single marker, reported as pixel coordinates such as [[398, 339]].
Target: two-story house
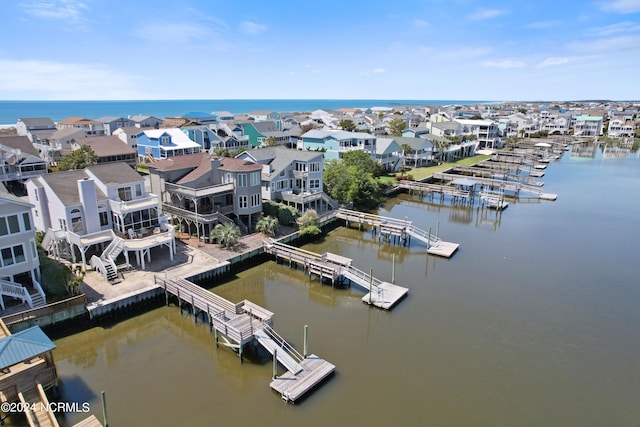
[[291, 176], [142, 121], [164, 143], [35, 128], [485, 131], [334, 143], [19, 261], [587, 126], [83, 208], [111, 123], [108, 149], [19, 160], [201, 190], [89, 126]]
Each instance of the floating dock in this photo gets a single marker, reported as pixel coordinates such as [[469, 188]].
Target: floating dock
[[294, 386]]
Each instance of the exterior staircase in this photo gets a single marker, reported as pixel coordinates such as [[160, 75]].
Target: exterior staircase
[[106, 264]]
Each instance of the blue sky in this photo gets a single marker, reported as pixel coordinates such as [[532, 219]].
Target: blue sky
[[213, 49]]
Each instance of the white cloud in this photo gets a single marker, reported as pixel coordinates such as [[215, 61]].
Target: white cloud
[[174, 32], [378, 70], [620, 27], [462, 53], [504, 64], [482, 14], [620, 6], [70, 11], [252, 28], [59, 80], [420, 23], [541, 25], [554, 60], [622, 44]]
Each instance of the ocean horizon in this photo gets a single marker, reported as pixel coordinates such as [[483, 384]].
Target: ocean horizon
[[11, 111]]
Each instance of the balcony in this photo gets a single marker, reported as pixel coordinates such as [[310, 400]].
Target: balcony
[[194, 193], [298, 174], [122, 207], [303, 198], [206, 218]]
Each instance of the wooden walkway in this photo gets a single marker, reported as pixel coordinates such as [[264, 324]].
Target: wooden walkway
[[485, 173], [35, 404], [381, 294], [507, 167], [236, 324], [404, 229], [516, 187], [457, 195]]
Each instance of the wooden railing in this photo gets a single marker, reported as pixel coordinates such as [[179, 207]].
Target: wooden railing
[[45, 310]]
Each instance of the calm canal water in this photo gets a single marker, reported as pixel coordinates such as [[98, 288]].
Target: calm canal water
[[534, 321]]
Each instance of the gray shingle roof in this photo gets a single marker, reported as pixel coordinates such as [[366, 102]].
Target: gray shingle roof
[[22, 143]]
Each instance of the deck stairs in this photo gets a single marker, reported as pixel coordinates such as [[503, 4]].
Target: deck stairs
[[287, 355]]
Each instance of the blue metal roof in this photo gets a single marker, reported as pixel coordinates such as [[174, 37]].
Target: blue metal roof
[[23, 346]]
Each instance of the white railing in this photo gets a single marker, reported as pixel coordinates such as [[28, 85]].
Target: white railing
[[97, 264], [122, 207], [425, 236], [15, 290], [360, 277], [39, 289], [113, 249]]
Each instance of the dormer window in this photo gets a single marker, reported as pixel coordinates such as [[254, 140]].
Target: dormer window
[[165, 140]]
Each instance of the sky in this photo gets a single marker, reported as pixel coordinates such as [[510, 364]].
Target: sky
[[489, 50]]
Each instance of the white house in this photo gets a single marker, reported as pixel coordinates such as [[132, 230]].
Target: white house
[[19, 261], [93, 206]]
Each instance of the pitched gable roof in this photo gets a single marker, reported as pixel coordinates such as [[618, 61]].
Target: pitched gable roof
[[21, 143]]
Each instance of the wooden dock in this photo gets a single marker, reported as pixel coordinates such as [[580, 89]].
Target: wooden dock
[[236, 324], [292, 387], [516, 187], [404, 229], [381, 294]]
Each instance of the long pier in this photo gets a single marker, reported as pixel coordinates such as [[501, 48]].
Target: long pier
[[514, 186], [336, 268], [457, 195], [402, 229], [485, 173], [237, 324], [508, 167]]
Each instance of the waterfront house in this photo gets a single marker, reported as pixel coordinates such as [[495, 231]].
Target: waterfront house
[[200, 190], [204, 136], [587, 126], [90, 207], [417, 152], [334, 143], [89, 126], [19, 160], [19, 260], [485, 131], [111, 123], [35, 128], [259, 133], [292, 177], [621, 128], [223, 115], [164, 143], [230, 137], [389, 154], [108, 149]]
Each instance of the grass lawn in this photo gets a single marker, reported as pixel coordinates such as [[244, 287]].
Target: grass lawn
[[425, 172]]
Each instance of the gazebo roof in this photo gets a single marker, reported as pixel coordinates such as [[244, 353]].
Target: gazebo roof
[[24, 345], [467, 182]]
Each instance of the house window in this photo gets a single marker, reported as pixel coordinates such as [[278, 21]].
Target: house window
[[104, 218], [255, 200], [63, 224], [254, 179], [34, 251], [314, 183], [76, 224], [314, 167], [241, 180], [12, 255], [138, 190], [242, 202], [165, 140], [124, 193], [14, 227], [27, 221]]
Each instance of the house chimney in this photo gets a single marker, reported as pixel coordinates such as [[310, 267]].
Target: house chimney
[[216, 177], [89, 201]]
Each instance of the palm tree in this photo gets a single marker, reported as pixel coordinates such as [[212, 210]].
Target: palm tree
[[268, 225], [226, 235]]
